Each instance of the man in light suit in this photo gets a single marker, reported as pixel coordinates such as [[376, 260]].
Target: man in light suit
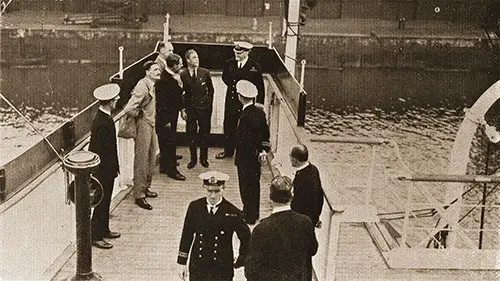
[[281, 245], [142, 107], [198, 99]]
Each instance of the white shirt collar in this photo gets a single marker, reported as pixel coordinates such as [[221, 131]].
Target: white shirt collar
[[303, 166], [191, 70], [245, 106], [104, 110], [281, 209], [243, 62], [216, 206]]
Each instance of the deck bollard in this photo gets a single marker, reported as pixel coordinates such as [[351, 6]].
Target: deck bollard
[[80, 163]]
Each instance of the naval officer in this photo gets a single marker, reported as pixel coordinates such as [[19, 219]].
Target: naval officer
[[252, 145], [241, 67], [103, 143], [207, 235]]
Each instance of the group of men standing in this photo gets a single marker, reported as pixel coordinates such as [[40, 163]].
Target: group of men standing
[[281, 246]]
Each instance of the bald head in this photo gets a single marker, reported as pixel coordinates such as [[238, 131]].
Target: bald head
[[300, 153], [165, 48]]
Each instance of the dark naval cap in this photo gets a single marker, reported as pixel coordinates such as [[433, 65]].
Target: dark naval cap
[[107, 92], [242, 46], [214, 178]]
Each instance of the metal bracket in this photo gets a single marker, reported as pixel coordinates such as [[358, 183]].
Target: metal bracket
[[3, 185], [68, 131]]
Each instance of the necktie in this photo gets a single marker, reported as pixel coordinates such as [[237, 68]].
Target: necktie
[[239, 64], [194, 75], [212, 210]]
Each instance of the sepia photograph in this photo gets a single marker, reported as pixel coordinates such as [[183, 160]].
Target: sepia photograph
[[259, 140]]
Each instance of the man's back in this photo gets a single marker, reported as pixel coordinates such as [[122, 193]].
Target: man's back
[[281, 248]]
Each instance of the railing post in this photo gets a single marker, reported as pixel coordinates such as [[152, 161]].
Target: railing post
[[370, 176], [406, 222], [80, 163], [120, 71], [302, 73], [270, 39], [166, 27], [292, 35]]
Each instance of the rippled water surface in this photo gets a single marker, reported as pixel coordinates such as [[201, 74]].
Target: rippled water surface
[[16, 135]]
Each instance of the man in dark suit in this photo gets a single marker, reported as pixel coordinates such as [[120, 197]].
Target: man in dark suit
[[103, 143], [252, 145], [281, 245], [211, 222], [169, 101], [307, 191], [198, 98], [241, 67]]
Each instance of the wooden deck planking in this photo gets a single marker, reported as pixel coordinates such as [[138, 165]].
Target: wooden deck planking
[[147, 249]]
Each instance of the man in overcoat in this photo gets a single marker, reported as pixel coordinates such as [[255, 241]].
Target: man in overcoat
[[281, 245], [103, 143], [241, 67], [198, 99], [307, 191], [207, 235], [252, 145], [169, 103]]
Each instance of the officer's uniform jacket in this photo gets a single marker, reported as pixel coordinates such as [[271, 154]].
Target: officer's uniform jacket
[[252, 136], [231, 74], [103, 143], [212, 248]]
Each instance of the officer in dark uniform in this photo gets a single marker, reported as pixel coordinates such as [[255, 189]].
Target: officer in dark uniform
[[241, 67], [252, 145], [211, 221], [103, 143]]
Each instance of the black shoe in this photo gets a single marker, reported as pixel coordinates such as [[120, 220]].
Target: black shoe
[[178, 157], [150, 194], [101, 244], [112, 235], [191, 164], [204, 163], [163, 171], [223, 155], [177, 176], [141, 202]]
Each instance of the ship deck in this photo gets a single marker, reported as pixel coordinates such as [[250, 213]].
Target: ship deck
[[147, 249]]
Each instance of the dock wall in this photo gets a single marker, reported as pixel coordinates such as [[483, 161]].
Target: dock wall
[[449, 10], [342, 71]]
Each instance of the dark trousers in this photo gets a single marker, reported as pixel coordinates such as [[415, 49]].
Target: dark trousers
[[230, 123], [167, 144], [249, 182], [100, 217], [198, 128], [207, 276]]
